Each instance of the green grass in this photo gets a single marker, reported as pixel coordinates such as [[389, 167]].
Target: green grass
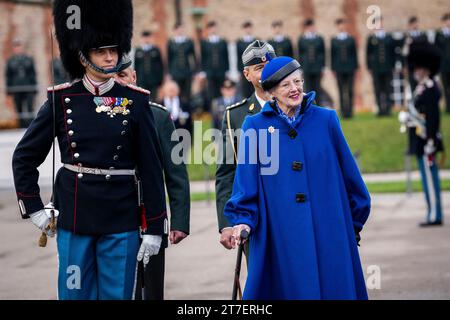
[[375, 187], [378, 141]]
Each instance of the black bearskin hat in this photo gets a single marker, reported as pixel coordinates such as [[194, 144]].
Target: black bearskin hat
[[102, 23], [425, 55]]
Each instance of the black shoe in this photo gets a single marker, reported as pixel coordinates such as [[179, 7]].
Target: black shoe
[[430, 224]]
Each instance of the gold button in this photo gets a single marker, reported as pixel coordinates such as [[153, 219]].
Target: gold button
[[76, 155], [66, 100], [69, 111], [71, 132], [69, 121]]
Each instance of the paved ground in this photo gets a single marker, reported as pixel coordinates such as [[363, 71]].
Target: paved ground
[[414, 263]]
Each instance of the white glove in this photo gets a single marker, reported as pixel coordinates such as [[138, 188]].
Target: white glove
[[42, 218], [149, 247], [429, 147]]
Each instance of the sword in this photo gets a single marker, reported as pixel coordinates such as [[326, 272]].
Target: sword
[[52, 225]]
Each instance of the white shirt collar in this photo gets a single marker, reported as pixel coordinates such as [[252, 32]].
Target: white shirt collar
[[173, 105], [342, 35], [261, 101], [96, 88]]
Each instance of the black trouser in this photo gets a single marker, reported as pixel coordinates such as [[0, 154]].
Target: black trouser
[[445, 76], [345, 84], [153, 277], [382, 84], [25, 114], [246, 87], [185, 88], [312, 83]]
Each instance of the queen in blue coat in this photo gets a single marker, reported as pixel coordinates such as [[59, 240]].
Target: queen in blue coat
[[299, 193]]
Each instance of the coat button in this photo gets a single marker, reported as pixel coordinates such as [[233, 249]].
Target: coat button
[[69, 111], [297, 166], [130, 102], [69, 121], [116, 157], [76, 155], [73, 144], [80, 175], [111, 168], [119, 147], [66, 100], [292, 133], [300, 197], [108, 177], [123, 133], [70, 132], [125, 122]]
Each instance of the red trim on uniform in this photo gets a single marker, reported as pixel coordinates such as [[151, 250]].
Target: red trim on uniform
[[164, 214], [20, 194], [143, 218], [75, 203]]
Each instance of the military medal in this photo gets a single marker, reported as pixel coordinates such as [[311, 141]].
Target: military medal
[[112, 106], [271, 129]]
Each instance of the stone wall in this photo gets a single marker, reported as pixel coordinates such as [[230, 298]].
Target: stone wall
[[32, 23]]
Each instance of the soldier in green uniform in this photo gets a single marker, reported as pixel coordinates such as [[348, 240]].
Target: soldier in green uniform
[[443, 43], [380, 57], [344, 62], [21, 82], [281, 43], [412, 36], [182, 61], [149, 65], [214, 52], [177, 184], [243, 42], [311, 49], [253, 59]]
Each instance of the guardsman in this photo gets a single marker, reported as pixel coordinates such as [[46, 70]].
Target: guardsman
[[427, 141], [344, 62], [280, 42], [254, 59], [182, 61], [21, 82], [177, 184], [106, 134], [247, 38], [311, 50], [214, 52], [228, 97], [148, 64], [413, 35], [380, 57], [442, 41]]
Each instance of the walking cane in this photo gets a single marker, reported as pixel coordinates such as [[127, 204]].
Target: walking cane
[[237, 269]]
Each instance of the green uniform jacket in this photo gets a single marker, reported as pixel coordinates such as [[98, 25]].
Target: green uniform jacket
[[215, 58], [380, 54], [175, 175], [149, 68], [344, 58], [282, 48], [233, 118], [20, 74], [443, 43], [181, 59], [311, 54]]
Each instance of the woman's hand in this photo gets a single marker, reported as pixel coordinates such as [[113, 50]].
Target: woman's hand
[[236, 238]]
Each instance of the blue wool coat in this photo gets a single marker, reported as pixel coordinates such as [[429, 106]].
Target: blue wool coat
[[303, 217]]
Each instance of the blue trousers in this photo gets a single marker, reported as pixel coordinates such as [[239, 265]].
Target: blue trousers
[[96, 267], [432, 189]]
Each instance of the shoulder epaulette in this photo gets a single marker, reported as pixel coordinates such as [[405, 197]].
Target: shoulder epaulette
[[60, 86], [138, 89], [153, 104], [240, 103]]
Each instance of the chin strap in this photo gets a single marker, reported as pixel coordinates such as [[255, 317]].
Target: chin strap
[[123, 64]]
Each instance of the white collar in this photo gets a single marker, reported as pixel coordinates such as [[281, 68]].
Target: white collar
[[342, 35], [261, 101], [310, 35], [96, 88], [278, 38]]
